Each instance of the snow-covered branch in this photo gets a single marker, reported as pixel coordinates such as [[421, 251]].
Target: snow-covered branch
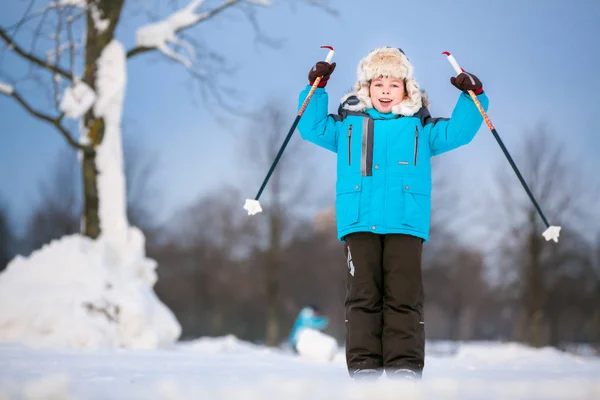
[[160, 35], [66, 3], [101, 24], [77, 100], [56, 122], [34, 59], [6, 89]]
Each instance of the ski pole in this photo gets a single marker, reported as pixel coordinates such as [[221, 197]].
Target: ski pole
[[253, 205], [551, 232]]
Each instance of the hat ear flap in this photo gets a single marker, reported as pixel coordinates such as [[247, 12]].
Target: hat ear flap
[[412, 88], [413, 101], [364, 96]]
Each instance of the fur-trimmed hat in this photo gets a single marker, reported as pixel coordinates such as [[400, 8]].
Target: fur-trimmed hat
[[385, 61]]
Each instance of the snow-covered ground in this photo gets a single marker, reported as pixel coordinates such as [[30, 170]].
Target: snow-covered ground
[[226, 368]]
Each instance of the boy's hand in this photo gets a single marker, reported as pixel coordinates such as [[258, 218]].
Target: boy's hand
[[467, 81], [323, 69]]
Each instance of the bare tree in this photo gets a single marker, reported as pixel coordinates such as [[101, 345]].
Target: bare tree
[[54, 26], [58, 208], [7, 238], [287, 186], [204, 276], [143, 196], [594, 325], [533, 265], [314, 273]]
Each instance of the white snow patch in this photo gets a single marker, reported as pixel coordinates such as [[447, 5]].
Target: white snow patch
[[77, 100], [316, 346], [5, 88], [222, 344], [260, 2], [74, 3], [99, 23], [160, 34], [71, 294]]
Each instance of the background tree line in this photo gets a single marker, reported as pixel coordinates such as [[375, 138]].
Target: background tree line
[[223, 272]]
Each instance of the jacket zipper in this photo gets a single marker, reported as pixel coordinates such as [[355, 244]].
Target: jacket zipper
[[416, 143], [350, 145]]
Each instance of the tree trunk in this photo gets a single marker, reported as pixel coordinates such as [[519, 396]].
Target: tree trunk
[[272, 270], [91, 221], [93, 128], [534, 289], [274, 261]]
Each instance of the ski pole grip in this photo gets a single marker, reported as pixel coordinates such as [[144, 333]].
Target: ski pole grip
[[453, 62], [330, 54]]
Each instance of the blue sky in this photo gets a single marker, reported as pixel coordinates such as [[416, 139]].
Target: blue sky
[[537, 59]]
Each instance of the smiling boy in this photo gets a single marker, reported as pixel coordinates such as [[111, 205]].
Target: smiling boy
[[386, 92], [384, 138]]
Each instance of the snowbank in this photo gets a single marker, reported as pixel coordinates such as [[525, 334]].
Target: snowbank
[[221, 344], [227, 368], [74, 292], [316, 346]]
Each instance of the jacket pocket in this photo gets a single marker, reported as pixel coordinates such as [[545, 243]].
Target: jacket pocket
[[417, 202], [347, 204]]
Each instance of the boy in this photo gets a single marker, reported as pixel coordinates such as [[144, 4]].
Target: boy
[[384, 137]]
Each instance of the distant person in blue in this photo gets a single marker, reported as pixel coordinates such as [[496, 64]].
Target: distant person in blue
[[310, 317]]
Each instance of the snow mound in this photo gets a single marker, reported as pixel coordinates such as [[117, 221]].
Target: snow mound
[[75, 292], [508, 352], [221, 344], [316, 346]]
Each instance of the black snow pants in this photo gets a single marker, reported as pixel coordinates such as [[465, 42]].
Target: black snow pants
[[384, 303]]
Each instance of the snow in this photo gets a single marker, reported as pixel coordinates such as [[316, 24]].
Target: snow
[[72, 294], [227, 368], [77, 100], [110, 85], [5, 88], [74, 3], [315, 345], [99, 23], [159, 34], [260, 2]]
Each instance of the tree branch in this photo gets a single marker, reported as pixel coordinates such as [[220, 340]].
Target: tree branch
[[36, 60], [56, 122], [206, 15]]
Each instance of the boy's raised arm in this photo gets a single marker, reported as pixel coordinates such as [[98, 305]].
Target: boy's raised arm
[[316, 125], [465, 121]]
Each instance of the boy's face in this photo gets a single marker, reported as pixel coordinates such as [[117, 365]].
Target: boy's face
[[386, 92]]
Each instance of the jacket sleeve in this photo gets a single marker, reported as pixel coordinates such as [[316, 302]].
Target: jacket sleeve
[[460, 129], [315, 124]]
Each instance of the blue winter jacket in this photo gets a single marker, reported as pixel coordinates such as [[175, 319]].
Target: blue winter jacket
[[383, 160]]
